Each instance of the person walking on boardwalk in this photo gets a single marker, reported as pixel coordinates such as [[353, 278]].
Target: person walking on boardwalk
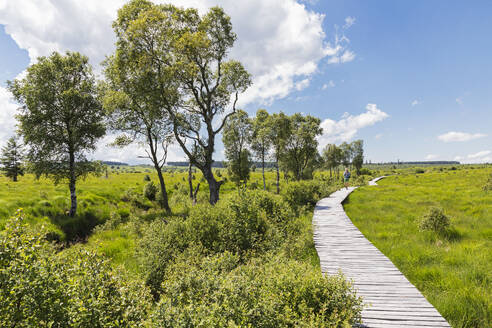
[[346, 177]]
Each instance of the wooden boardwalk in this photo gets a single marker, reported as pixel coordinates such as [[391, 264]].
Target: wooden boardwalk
[[390, 299]]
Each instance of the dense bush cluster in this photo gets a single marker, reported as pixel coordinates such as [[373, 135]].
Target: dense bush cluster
[[217, 291], [228, 265], [435, 220], [39, 288], [306, 193]]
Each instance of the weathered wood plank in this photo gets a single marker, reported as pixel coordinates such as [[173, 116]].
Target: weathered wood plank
[[390, 299]]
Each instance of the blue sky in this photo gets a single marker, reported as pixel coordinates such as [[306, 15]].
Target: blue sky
[[414, 84]]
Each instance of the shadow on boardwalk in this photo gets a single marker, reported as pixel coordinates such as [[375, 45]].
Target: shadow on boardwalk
[[391, 300]]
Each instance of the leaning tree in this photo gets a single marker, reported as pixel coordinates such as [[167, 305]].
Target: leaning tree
[[136, 82], [195, 50], [60, 118], [11, 159]]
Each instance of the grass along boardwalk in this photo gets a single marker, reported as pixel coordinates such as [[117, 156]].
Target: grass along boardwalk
[[391, 300]]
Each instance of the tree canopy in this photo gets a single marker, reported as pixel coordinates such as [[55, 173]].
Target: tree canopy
[[60, 117], [11, 159]]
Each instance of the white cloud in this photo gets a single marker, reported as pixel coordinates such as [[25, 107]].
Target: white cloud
[[459, 100], [378, 136], [431, 157], [460, 136], [480, 157], [346, 128], [7, 111], [330, 84], [349, 21], [302, 84], [480, 154], [415, 102], [283, 43]]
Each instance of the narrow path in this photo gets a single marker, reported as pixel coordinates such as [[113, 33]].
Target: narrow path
[[391, 300]]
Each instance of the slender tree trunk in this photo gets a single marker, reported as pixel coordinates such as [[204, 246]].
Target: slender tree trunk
[[278, 178], [330, 172], [71, 186], [263, 170], [190, 180], [164, 200]]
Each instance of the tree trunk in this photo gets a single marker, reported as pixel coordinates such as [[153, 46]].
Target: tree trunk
[[190, 180], [263, 170], [278, 179], [71, 186], [164, 201], [213, 185]]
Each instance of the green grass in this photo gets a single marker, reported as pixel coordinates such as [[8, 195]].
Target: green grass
[[454, 272]]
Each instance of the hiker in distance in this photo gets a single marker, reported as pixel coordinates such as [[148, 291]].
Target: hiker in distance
[[346, 177]]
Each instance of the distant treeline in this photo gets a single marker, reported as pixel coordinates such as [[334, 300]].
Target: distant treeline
[[222, 164], [114, 163], [419, 163]]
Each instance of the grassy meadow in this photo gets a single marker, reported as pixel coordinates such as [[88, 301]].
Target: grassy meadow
[[453, 270]]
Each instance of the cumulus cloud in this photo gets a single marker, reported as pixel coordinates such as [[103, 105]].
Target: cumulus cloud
[[283, 44], [459, 136], [346, 128], [7, 120], [415, 102]]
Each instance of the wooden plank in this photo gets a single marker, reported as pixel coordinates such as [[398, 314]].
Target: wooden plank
[[390, 299]]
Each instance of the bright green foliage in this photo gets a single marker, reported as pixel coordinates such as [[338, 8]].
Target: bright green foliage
[[454, 274], [279, 126], [150, 191], [434, 220], [307, 193], [60, 117], [243, 223], [189, 53], [137, 83], [40, 289], [236, 137], [300, 155], [11, 159], [218, 291]]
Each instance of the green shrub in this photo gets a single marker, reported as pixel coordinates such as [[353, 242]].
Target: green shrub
[[306, 193], [365, 171], [240, 224], [219, 291], [39, 288], [435, 220], [146, 177], [419, 171], [150, 191]]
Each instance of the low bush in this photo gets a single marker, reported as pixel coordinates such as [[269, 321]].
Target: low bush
[[219, 291], [306, 192], [146, 177], [39, 288], [435, 220], [150, 191], [419, 171], [242, 224], [365, 171]]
